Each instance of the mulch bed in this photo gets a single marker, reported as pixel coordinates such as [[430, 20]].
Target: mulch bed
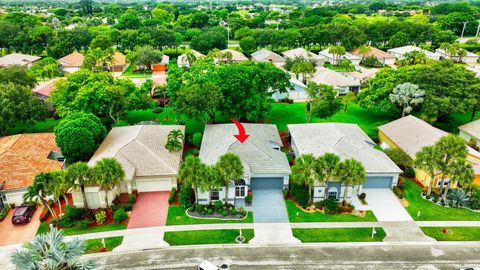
[[216, 216]]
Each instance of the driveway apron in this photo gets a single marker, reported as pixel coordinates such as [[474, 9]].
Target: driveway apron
[[150, 210], [269, 206]]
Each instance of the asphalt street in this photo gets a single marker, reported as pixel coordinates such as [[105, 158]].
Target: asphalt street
[[324, 256]]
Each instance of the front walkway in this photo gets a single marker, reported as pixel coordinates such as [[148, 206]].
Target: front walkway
[[150, 210]]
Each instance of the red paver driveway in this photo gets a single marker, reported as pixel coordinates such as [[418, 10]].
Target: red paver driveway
[[150, 210], [15, 234]]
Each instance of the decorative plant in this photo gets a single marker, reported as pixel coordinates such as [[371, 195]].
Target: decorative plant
[[174, 140], [459, 198]]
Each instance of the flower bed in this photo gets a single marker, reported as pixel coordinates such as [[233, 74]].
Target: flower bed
[[216, 211], [215, 215]]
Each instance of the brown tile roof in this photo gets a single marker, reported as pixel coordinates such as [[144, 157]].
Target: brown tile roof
[[44, 88], [24, 156], [374, 52], [119, 59], [74, 59]]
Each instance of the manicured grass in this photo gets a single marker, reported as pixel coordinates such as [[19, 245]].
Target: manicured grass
[[320, 217], [336, 68], [453, 233], [431, 211], [94, 245], [44, 227], [177, 216], [138, 74], [41, 126], [339, 235], [202, 237]]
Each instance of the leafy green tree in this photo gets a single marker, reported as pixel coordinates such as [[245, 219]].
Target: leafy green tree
[[413, 58], [306, 68], [248, 44], [78, 135], [102, 42], [460, 172], [364, 50], [18, 106], [427, 159], [192, 172], [407, 95], [346, 65], [452, 148], [162, 16], [46, 68], [199, 101], [230, 168], [39, 191], [146, 56], [323, 100], [305, 173], [347, 99], [17, 75], [350, 172], [108, 173], [80, 175], [211, 39], [399, 39], [51, 251]]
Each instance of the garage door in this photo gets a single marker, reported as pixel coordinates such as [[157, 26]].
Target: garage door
[[15, 198], [266, 183], [378, 182], [154, 185]]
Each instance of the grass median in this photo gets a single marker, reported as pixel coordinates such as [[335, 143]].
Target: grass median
[[205, 237], [339, 235]]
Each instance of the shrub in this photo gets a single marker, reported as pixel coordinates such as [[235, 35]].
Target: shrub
[[286, 100], [199, 208], [210, 211], [197, 139], [318, 205], [157, 110], [348, 208], [120, 215], [285, 193], [171, 198], [248, 198], [401, 183], [409, 172], [224, 213], [371, 61], [300, 193], [362, 196], [398, 156], [331, 207], [234, 212], [398, 192], [185, 196], [73, 214], [127, 207], [132, 198], [218, 206], [100, 217], [4, 212], [82, 224]]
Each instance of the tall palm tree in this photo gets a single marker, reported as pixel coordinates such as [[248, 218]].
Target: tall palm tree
[[51, 251], [451, 147], [108, 173], [192, 172], [211, 179], [229, 167], [174, 140], [305, 172], [80, 175], [326, 166], [459, 171], [407, 95], [337, 52], [39, 191], [190, 57], [58, 187], [426, 159], [350, 172]]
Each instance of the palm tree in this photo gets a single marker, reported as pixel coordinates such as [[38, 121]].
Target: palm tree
[[459, 171], [229, 167], [192, 173], [426, 159], [189, 57], [451, 147], [108, 173], [227, 56], [80, 175], [59, 187], [350, 172], [326, 166], [39, 191], [336, 52], [211, 179], [364, 49], [305, 68], [51, 251], [406, 95], [174, 140], [305, 172]]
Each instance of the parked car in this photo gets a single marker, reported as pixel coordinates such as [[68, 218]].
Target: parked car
[[23, 213], [206, 265]]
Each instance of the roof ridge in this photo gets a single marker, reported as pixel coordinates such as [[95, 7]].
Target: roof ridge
[[153, 153]]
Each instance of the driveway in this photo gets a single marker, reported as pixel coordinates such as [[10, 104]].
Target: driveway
[[150, 210], [269, 206], [385, 205], [16, 234]]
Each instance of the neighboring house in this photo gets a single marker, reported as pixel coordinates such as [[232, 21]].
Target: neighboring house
[[182, 59], [411, 134], [265, 165], [469, 58], [329, 57], [265, 55], [382, 56], [363, 75], [341, 83], [42, 92], [141, 151], [23, 60], [401, 51], [22, 157], [119, 62], [348, 141], [72, 62], [237, 57], [301, 52], [162, 66], [298, 93], [470, 132]]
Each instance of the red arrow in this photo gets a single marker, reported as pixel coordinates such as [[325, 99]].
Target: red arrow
[[242, 136]]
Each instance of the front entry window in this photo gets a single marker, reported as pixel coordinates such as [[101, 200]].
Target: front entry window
[[239, 191], [332, 194], [214, 195]]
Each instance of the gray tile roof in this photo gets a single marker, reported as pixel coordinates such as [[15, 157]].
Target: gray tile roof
[[348, 141], [256, 153], [141, 150], [17, 59], [265, 55], [472, 128]]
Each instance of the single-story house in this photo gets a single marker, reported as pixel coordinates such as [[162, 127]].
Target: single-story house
[[162, 66], [401, 51], [23, 60], [141, 151], [298, 93], [237, 57], [301, 52], [348, 141], [265, 55], [362, 75], [182, 60], [382, 56], [42, 92], [72, 62], [411, 134], [119, 62], [469, 58], [265, 165], [22, 157], [470, 132], [334, 61], [341, 83]]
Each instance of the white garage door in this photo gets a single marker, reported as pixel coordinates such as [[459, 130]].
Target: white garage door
[[15, 198], [154, 185]]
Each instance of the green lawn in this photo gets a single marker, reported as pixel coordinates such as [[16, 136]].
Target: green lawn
[[320, 217], [206, 237], [453, 233], [177, 216], [41, 126], [129, 73], [75, 231], [431, 211], [94, 245], [339, 235]]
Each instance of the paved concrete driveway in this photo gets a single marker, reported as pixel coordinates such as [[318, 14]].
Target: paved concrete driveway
[[150, 210], [16, 234], [385, 205], [269, 206]]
